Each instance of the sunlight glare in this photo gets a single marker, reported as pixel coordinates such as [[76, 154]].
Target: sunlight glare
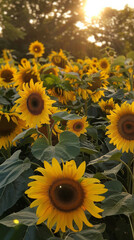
[[95, 7]]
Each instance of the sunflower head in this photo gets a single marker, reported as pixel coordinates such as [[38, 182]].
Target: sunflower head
[[7, 74], [121, 128], [49, 69], [10, 126], [104, 64], [62, 195], [107, 105], [78, 126], [34, 104], [58, 59], [37, 49], [25, 74], [62, 95]]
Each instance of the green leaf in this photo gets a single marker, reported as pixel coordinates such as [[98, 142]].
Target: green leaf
[[119, 203], [112, 155], [25, 133], [13, 191], [88, 150], [118, 61], [22, 232], [91, 233], [67, 148], [113, 187], [59, 116], [113, 170], [27, 216], [130, 55], [91, 131], [4, 101], [12, 168]]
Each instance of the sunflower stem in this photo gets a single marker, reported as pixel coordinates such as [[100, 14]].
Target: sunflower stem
[[26, 199], [131, 79], [49, 134], [40, 133], [131, 221], [35, 164], [85, 108], [128, 168]]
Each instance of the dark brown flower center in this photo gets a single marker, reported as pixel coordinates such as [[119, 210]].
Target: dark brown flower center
[[28, 75], [126, 126], [96, 83], [59, 91], [66, 194], [37, 49], [35, 104], [104, 64], [59, 61], [108, 107], [78, 126], [6, 128], [7, 75]]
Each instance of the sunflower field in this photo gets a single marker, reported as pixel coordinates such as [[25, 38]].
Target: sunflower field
[[66, 146]]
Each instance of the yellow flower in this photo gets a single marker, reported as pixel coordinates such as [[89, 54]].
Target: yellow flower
[[49, 69], [34, 104], [97, 85], [62, 195], [77, 126], [58, 58], [62, 95], [104, 64], [37, 49], [10, 126], [25, 74], [107, 105], [121, 128], [7, 74]]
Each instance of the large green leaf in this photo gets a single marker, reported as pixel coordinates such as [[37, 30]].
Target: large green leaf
[[119, 203], [13, 191], [22, 232], [27, 217], [94, 233], [112, 155], [64, 116], [25, 133], [12, 168], [67, 148]]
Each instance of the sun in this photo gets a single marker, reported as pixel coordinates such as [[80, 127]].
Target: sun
[[94, 8]]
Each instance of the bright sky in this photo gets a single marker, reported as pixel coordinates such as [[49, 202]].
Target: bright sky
[[93, 8]]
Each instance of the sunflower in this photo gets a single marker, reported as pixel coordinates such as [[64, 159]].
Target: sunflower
[[62, 95], [62, 196], [7, 74], [34, 104], [37, 49], [97, 85], [83, 93], [77, 126], [10, 126], [58, 59], [49, 69], [25, 74], [107, 105], [7, 55], [104, 64], [121, 128]]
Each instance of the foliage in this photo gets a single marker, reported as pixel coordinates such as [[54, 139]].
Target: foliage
[[76, 90]]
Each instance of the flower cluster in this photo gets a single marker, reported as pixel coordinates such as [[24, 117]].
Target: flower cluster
[[54, 109]]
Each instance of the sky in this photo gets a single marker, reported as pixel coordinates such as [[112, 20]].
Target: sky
[[93, 8]]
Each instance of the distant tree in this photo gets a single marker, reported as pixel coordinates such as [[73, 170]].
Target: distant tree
[[49, 21], [115, 29]]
